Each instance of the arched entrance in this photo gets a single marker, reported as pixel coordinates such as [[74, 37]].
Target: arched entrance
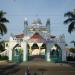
[[56, 53], [17, 54], [37, 51]]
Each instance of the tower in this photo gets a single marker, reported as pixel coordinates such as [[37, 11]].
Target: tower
[[48, 25], [25, 26]]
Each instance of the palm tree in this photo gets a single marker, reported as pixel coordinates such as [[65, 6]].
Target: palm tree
[[70, 21], [3, 20]]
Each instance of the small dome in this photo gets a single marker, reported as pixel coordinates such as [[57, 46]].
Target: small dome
[[37, 21]]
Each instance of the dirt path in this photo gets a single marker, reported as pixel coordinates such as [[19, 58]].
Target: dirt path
[[37, 68]]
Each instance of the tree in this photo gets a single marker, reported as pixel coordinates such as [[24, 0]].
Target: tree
[[72, 50], [2, 46], [70, 21], [3, 20]]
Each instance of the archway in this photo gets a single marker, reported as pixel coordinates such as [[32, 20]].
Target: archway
[[17, 54], [35, 46], [56, 53], [37, 51]]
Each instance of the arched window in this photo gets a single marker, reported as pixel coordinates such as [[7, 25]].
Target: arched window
[[35, 46], [43, 46], [57, 46], [56, 51]]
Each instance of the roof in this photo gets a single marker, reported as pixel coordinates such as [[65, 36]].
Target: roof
[[52, 36], [36, 38], [20, 35]]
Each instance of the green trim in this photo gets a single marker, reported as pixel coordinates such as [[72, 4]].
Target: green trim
[[17, 56]]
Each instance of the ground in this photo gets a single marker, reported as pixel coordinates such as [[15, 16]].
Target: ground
[[37, 68]]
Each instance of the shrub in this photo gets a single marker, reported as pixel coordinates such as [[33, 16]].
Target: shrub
[[69, 58], [74, 58], [3, 57]]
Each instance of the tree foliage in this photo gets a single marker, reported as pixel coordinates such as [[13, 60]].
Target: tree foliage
[[3, 20], [72, 50], [2, 46], [70, 21]]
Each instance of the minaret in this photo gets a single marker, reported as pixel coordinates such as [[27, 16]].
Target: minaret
[[25, 26], [48, 25]]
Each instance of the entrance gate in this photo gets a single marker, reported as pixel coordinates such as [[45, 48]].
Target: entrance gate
[[56, 56], [17, 55], [56, 53], [37, 52]]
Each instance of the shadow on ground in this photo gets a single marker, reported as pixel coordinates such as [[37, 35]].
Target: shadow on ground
[[9, 69], [38, 68], [47, 68]]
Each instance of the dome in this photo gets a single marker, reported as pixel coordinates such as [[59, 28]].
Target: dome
[[37, 21]]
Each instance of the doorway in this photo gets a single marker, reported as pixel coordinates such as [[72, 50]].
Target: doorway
[[17, 54]]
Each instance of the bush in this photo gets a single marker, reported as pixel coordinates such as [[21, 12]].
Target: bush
[[74, 58], [0, 56], [69, 58], [3, 57]]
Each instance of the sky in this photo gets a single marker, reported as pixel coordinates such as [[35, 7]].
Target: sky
[[18, 10]]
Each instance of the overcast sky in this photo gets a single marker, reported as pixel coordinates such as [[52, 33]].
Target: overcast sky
[[17, 10]]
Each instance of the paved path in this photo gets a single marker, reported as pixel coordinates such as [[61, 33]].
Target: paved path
[[37, 68]]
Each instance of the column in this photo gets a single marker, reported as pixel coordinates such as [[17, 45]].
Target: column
[[39, 44], [10, 51], [48, 53], [24, 46], [30, 50], [10, 54], [62, 45]]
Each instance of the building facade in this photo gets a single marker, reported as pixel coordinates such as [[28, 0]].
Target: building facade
[[36, 43]]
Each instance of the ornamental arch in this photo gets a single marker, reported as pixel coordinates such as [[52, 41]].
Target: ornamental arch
[[56, 53], [17, 54], [36, 50]]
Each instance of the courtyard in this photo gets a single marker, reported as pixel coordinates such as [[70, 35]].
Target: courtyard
[[37, 68]]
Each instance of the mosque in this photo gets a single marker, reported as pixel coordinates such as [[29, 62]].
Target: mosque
[[36, 43]]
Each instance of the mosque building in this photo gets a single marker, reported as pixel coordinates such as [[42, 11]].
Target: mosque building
[[36, 43]]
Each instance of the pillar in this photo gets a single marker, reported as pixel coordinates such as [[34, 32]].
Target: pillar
[[10, 54], [48, 53], [39, 44], [10, 51], [25, 50], [62, 45], [30, 50]]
